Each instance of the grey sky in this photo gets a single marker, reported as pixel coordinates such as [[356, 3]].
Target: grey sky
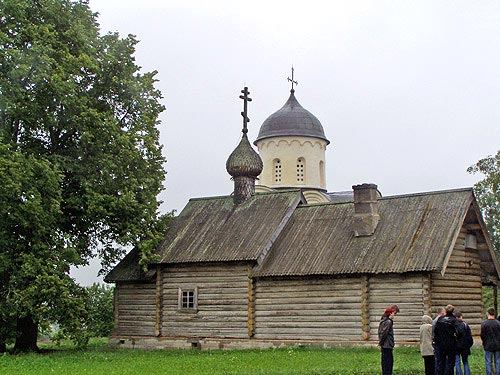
[[408, 92]]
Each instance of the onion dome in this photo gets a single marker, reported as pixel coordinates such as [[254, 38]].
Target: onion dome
[[244, 161], [291, 120]]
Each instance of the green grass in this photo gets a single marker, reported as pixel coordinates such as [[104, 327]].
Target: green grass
[[99, 359]]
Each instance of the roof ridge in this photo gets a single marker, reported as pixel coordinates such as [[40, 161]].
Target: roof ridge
[[434, 192]]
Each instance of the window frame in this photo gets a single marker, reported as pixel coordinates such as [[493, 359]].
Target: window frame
[[181, 306]]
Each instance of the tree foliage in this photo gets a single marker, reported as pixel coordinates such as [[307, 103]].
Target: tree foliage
[[99, 299], [487, 192], [81, 165]]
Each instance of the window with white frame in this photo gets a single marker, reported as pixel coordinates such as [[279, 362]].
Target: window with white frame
[[188, 299]]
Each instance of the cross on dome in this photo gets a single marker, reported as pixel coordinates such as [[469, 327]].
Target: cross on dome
[[292, 80], [246, 99]]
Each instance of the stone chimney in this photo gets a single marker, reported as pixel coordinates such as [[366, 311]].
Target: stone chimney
[[366, 215]]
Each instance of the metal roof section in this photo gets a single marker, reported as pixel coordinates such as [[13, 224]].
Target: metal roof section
[[216, 230], [291, 120], [415, 233]]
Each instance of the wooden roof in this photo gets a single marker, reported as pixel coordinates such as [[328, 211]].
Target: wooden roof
[[129, 269], [415, 233], [215, 229], [285, 237]]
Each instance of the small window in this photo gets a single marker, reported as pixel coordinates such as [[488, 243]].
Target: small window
[[300, 170], [277, 171], [188, 299]]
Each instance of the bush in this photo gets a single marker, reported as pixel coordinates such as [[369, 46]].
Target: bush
[[100, 310]]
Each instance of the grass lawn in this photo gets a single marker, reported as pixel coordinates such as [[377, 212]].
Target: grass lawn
[[99, 359]]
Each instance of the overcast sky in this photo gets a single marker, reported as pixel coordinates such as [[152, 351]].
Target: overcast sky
[[408, 92]]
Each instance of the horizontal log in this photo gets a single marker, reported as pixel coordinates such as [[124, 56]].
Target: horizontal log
[[137, 315], [206, 282], [322, 306], [290, 300], [188, 331], [308, 312], [126, 287], [134, 332], [302, 333], [272, 283], [447, 283], [136, 293], [302, 294], [395, 285], [336, 336], [402, 296], [332, 318], [206, 322], [313, 325], [215, 314], [135, 324], [325, 288], [458, 295]]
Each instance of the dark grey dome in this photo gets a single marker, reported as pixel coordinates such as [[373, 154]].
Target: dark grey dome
[[291, 120]]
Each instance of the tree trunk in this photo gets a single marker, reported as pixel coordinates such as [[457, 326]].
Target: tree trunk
[[27, 333]]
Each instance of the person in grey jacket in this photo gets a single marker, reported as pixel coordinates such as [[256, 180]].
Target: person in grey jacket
[[426, 349], [386, 340]]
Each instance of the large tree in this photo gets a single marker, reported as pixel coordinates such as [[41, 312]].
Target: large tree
[[75, 106], [487, 192]]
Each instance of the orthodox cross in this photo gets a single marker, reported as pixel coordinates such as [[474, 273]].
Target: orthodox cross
[[291, 80], [246, 99]]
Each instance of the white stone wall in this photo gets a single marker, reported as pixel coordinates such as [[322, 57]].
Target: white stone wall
[[288, 150]]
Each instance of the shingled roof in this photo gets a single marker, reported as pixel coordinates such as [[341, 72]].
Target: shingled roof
[[215, 229], [415, 233]]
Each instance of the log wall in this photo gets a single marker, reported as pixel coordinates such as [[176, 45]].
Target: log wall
[[309, 309], [135, 309], [461, 284], [410, 292], [223, 292]]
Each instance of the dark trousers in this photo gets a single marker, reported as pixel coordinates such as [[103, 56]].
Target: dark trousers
[[436, 359], [387, 361], [429, 364], [446, 363]]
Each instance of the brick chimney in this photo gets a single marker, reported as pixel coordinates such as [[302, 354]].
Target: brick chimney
[[366, 215]]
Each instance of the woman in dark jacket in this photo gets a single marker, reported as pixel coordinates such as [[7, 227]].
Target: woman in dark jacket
[[386, 340], [464, 343]]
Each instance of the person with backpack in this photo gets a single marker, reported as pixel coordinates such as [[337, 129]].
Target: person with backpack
[[446, 340], [464, 343]]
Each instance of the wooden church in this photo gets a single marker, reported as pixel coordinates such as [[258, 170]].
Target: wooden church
[[286, 262]]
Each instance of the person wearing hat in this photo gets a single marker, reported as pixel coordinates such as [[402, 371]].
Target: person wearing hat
[[386, 340]]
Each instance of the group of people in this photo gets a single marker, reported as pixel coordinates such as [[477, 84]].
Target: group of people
[[445, 342]]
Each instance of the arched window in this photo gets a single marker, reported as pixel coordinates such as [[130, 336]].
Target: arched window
[[277, 171], [301, 170]]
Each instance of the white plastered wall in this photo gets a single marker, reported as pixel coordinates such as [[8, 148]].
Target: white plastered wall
[[288, 150]]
